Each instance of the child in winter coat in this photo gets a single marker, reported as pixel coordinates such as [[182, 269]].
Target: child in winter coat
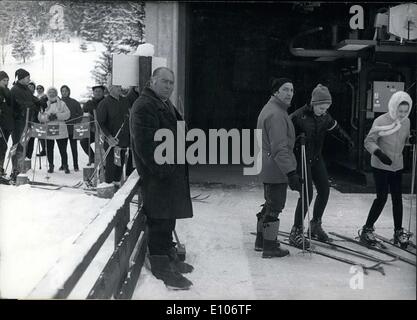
[[55, 115], [386, 141]]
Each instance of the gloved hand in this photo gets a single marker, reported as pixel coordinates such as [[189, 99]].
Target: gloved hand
[[294, 181], [412, 139], [52, 117], [383, 157]]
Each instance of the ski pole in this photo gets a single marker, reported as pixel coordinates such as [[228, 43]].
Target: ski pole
[[413, 176], [307, 195], [34, 166]]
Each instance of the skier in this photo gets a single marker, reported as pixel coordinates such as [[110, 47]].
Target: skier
[[55, 114], [112, 116], [278, 166], [315, 122], [6, 118], [165, 188], [21, 99], [385, 141], [90, 106], [76, 114]]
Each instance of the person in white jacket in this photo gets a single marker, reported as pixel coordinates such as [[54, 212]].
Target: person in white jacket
[[385, 141], [54, 116]]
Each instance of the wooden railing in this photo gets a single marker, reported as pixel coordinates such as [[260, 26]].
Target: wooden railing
[[119, 277]]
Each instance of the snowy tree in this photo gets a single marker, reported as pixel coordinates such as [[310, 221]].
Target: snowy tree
[[22, 45]]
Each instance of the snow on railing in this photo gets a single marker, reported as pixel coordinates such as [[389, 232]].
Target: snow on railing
[[116, 279]]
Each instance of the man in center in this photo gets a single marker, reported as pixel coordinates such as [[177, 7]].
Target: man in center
[[165, 187]]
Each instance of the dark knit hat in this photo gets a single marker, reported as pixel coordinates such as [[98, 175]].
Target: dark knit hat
[[3, 75], [21, 73], [277, 83], [320, 94]]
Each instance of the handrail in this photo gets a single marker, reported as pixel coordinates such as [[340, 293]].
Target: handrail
[[61, 279]]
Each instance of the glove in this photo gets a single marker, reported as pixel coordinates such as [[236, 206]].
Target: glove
[[294, 181], [52, 117], [383, 157], [412, 139]]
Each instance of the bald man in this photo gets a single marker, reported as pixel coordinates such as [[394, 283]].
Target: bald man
[[165, 187]]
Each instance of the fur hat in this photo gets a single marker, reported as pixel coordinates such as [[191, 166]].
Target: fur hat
[[320, 94], [3, 75], [21, 74], [277, 83]]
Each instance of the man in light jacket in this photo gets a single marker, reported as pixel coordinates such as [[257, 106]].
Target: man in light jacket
[[278, 166]]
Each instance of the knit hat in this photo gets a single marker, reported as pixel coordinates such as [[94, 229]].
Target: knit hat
[[278, 82], [21, 73], [320, 94], [3, 75]]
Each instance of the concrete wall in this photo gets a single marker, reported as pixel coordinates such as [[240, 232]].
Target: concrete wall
[[164, 28]]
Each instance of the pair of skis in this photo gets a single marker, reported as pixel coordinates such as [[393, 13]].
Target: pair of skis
[[53, 186]]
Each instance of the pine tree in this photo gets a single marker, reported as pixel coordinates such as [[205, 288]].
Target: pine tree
[[22, 45]]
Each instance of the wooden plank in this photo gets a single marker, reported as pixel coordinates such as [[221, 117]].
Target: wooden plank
[[117, 267], [59, 281], [129, 284]]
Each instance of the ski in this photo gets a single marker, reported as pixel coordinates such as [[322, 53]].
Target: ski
[[387, 252], [338, 247], [376, 267], [199, 197], [52, 186], [386, 240]]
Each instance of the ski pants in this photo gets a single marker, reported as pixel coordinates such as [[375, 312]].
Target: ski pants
[[317, 174], [275, 195], [387, 181], [160, 239], [62, 146], [18, 157], [112, 172], [74, 150], [85, 144]]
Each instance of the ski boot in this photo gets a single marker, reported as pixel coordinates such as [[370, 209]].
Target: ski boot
[[259, 242], [271, 246], [162, 268], [367, 237], [2, 172], [296, 238], [318, 233], [76, 168], [401, 238], [51, 169], [13, 176], [66, 170]]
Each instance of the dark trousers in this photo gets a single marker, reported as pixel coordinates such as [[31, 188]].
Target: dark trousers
[[275, 197], [29, 148], [317, 174], [74, 151], [62, 146], [85, 144], [160, 239], [18, 157], [5, 134], [113, 172], [387, 181]]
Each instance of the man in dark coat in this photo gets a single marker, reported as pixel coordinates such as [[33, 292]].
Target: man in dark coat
[[113, 118], [315, 122], [278, 166], [165, 187], [90, 106], [76, 114], [6, 118], [22, 99]]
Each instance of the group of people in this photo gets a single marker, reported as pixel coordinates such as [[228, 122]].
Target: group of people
[[282, 164], [112, 110]]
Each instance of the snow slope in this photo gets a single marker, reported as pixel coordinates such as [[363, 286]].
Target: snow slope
[[69, 64]]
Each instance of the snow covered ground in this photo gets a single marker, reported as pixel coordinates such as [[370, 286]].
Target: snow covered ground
[[69, 66], [38, 226]]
